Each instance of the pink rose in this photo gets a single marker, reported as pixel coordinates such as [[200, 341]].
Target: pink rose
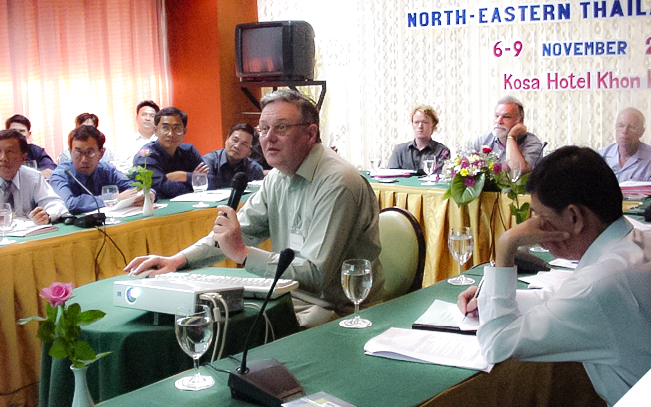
[[486, 149], [145, 152], [57, 293], [497, 168]]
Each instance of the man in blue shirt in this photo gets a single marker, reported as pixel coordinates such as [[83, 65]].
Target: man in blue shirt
[[87, 148], [171, 160], [233, 158], [44, 162], [628, 157]]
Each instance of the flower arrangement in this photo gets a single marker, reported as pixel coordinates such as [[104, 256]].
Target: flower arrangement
[[476, 171], [62, 326], [141, 173]]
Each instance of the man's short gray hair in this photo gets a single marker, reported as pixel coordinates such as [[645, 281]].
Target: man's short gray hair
[[307, 108], [510, 99]]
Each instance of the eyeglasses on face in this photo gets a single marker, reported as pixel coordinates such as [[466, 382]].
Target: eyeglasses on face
[[278, 129], [176, 129], [89, 154]]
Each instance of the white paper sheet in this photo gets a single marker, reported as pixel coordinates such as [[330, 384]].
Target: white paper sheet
[[442, 348], [447, 314], [215, 195]]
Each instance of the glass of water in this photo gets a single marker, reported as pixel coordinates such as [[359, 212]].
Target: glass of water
[[356, 280], [6, 220], [194, 333], [428, 166], [200, 184], [111, 197], [460, 243]]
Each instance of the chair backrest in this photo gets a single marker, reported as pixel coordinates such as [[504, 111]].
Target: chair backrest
[[403, 252]]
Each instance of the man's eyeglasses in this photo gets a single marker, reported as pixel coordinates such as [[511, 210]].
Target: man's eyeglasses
[[165, 129], [279, 129], [88, 154]]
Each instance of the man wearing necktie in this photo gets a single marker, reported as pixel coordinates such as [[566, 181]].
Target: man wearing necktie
[[25, 188]]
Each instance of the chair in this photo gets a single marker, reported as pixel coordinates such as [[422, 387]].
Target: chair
[[403, 252]]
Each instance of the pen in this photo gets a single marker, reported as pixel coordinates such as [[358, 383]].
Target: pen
[[474, 297]]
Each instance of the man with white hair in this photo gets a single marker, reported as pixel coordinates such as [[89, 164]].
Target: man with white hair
[[510, 139], [628, 157]]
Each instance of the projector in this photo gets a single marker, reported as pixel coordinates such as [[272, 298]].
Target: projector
[[172, 296]]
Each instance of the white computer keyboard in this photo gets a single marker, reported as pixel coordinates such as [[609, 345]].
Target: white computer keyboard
[[254, 287]]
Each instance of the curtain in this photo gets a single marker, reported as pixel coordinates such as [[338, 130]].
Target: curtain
[[63, 58], [378, 68]]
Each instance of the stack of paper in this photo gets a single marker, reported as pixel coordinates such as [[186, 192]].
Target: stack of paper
[[25, 227], [215, 195], [441, 348]]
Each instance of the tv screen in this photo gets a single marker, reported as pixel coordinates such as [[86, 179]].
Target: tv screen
[[274, 50]]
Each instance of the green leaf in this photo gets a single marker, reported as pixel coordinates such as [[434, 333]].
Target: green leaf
[[72, 312], [83, 351], [51, 312], [90, 316], [463, 194], [522, 213], [59, 350], [46, 331]]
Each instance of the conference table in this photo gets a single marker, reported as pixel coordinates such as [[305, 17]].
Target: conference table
[[330, 358], [488, 216], [80, 256], [143, 344]]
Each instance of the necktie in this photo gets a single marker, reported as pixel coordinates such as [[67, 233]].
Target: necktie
[[7, 192]]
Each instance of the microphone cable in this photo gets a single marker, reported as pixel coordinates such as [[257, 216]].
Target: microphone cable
[[102, 230]]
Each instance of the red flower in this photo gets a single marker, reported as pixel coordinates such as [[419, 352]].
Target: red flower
[[497, 168], [486, 149], [57, 293]]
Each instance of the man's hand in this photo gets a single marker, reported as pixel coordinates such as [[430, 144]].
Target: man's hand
[[46, 172], [177, 176], [517, 131], [227, 233], [127, 193], [140, 200], [39, 216], [531, 231], [202, 167], [467, 302], [155, 264]]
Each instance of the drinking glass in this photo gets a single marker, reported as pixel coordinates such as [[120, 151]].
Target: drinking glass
[[194, 332], [200, 184], [515, 170], [6, 220], [356, 279], [460, 243], [110, 196], [428, 166]]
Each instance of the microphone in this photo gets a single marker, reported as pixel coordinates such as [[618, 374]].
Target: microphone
[[238, 183], [265, 381], [88, 221], [541, 152]]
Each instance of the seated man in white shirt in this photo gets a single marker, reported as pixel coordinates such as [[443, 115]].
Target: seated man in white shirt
[[600, 315], [145, 113], [628, 157], [25, 188]]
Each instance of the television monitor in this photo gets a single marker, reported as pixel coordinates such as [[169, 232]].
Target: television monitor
[[274, 50]]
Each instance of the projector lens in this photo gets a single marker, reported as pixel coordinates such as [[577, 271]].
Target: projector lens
[[132, 294]]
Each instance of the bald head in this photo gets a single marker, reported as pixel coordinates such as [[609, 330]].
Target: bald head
[[629, 127]]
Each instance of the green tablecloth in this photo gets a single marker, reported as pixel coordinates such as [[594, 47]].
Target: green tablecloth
[[142, 352], [331, 358]]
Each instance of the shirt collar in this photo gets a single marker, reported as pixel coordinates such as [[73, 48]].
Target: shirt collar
[[614, 233], [309, 164]]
